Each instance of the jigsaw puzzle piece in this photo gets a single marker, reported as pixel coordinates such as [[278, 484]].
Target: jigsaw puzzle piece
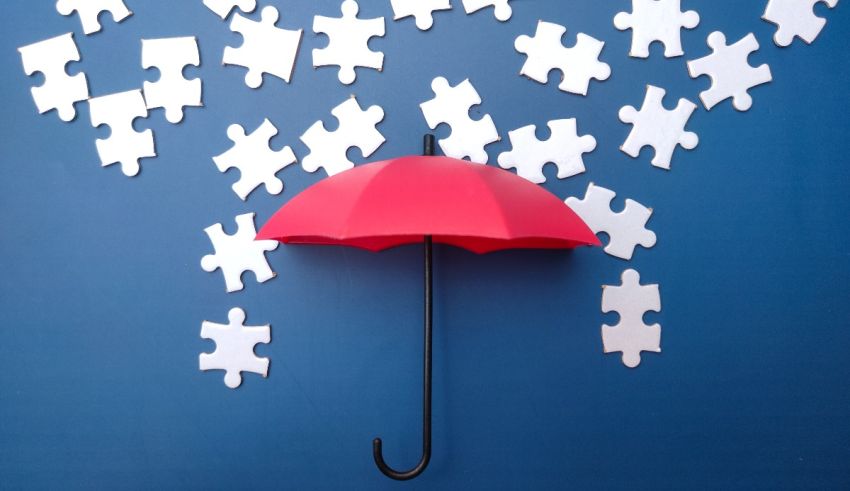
[[222, 8], [421, 10], [564, 148], [349, 42], [234, 348], [171, 91], [265, 49], [89, 10], [795, 18], [656, 20], [501, 8], [631, 335], [59, 91], [125, 145], [237, 253]]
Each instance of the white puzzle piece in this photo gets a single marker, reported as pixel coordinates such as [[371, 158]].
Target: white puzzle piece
[[421, 10], [89, 10], [564, 148], [265, 49], [172, 92], [730, 72], [657, 127], [125, 145], [59, 91], [234, 348], [349, 42], [656, 20], [256, 161], [795, 18], [451, 105], [222, 8], [357, 128], [502, 10], [631, 301], [237, 253], [625, 229], [578, 64]]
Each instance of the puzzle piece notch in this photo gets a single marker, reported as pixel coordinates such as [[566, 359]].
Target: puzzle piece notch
[[795, 18], [451, 105], [501, 8], [234, 348], [578, 64], [348, 45], [631, 335], [730, 72], [656, 20], [258, 164], [89, 11], [357, 128], [265, 48], [125, 145], [564, 148], [237, 253], [657, 127], [222, 8], [421, 10], [59, 91], [172, 91], [625, 229]]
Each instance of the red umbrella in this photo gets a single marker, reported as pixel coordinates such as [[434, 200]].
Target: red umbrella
[[427, 199]]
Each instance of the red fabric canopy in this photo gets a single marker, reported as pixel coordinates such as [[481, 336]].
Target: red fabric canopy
[[399, 201]]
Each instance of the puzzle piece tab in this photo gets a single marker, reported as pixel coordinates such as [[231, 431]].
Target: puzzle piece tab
[[656, 20], [349, 42], [451, 105], [222, 8], [564, 148], [795, 18], [730, 72], [421, 10], [256, 161], [89, 10], [357, 128], [234, 348], [171, 91], [659, 128], [59, 91], [265, 49], [631, 301], [125, 145], [502, 10], [578, 64]]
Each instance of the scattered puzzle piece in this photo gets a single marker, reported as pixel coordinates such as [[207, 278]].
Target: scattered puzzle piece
[[237, 253], [171, 91], [656, 20], [421, 10], [357, 128], [578, 64], [625, 229], [234, 348], [564, 148], [795, 18], [631, 301], [265, 49], [349, 42], [89, 11], [125, 145], [451, 105], [502, 10], [222, 8], [59, 91], [730, 72], [256, 161], [659, 128]]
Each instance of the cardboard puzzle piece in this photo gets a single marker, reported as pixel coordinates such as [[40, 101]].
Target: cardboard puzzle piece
[[795, 18], [657, 127], [501, 9], [237, 253], [256, 161], [730, 72], [222, 8], [451, 105], [421, 10], [631, 301], [125, 145], [578, 64], [626, 229], [234, 348], [89, 10], [357, 128], [265, 49], [656, 20], [349, 42], [564, 148], [172, 91], [59, 91]]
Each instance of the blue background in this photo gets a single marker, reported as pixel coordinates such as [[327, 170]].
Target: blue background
[[102, 295]]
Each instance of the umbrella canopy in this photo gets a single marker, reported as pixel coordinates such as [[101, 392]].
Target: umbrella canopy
[[401, 201]]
